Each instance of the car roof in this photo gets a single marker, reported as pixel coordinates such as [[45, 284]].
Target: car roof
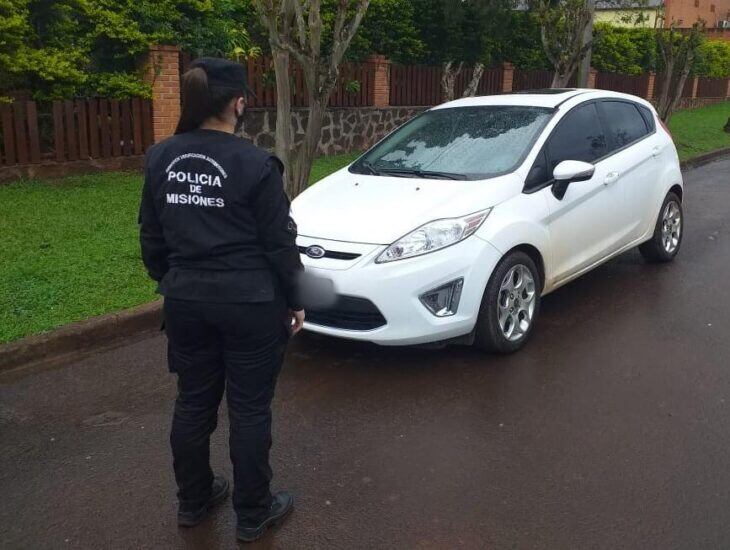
[[550, 98]]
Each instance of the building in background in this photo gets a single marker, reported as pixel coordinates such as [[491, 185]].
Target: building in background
[[640, 14], [684, 13], [663, 13]]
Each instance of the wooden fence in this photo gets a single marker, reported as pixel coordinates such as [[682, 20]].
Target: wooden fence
[[686, 91], [712, 87], [353, 89], [415, 85], [626, 83], [531, 80], [421, 84], [70, 130]]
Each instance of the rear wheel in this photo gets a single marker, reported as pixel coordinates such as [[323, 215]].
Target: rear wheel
[[664, 244], [510, 305]]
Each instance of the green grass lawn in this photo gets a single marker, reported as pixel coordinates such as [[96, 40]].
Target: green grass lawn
[[69, 249], [698, 131]]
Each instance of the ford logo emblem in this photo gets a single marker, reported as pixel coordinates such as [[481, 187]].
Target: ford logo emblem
[[315, 251]]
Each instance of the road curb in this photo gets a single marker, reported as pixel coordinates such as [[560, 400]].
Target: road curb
[[80, 338], [694, 162], [104, 331]]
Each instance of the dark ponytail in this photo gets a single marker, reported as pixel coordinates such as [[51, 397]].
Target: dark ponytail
[[199, 101]]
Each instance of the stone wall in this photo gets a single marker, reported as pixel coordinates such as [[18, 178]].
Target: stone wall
[[344, 130]]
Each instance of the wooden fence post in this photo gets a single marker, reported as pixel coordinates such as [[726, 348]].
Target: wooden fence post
[[727, 93], [162, 70], [695, 85], [508, 76]]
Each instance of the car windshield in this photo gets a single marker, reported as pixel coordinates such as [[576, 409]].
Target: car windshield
[[457, 143]]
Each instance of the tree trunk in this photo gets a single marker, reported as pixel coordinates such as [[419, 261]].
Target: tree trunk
[[476, 76], [561, 79], [308, 148], [679, 88], [448, 80], [663, 101], [584, 67], [284, 144]]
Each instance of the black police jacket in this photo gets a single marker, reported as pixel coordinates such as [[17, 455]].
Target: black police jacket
[[214, 221]]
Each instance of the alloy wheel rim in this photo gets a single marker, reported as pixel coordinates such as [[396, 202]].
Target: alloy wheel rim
[[516, 302], [671, 227]]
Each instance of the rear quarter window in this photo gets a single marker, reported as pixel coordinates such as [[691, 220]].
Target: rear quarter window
[[648, 118]]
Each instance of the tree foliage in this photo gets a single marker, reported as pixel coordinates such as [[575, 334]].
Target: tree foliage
[[713, 59], [388, 28], [562, 24], [64, 48], [624, 50]]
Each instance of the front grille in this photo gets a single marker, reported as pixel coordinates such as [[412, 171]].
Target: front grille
[[348, 313], [332, 254]]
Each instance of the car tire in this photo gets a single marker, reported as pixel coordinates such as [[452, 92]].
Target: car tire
[[510, 305], [668, 232]]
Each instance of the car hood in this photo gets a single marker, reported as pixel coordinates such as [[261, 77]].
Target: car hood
[[380, 209]]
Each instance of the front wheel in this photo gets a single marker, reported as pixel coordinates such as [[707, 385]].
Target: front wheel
[[667, 238], [510, 305]]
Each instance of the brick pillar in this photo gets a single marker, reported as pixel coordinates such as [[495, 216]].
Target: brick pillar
[[162, 70], [508, 76], [592, 74], [695, 85], [381, 82], [650, 83]]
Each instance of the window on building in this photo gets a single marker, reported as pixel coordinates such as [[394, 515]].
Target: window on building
[[697, 3], [712, 8]]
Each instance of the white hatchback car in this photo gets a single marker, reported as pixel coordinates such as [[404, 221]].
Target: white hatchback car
[[453, 226]]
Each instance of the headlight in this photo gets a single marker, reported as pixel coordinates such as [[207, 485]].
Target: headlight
[[433, 236]]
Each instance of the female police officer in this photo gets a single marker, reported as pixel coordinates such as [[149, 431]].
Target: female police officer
[[216, 234]]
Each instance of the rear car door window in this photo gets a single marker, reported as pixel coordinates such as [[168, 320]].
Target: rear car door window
[[579, 136], [624, 123]]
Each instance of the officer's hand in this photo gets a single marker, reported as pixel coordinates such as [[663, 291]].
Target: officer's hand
[[297, 321]]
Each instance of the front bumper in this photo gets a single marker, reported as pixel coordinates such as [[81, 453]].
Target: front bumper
[[394, 288]]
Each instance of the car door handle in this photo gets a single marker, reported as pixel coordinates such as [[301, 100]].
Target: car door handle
[[610, 178], [656, 151]]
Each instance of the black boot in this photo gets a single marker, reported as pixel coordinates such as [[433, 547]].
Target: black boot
[[218, 493], [281, 505]]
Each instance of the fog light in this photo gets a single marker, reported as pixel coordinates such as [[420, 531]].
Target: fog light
[[444, 300]]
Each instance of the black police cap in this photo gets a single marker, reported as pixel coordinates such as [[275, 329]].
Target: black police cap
[[223, 73]]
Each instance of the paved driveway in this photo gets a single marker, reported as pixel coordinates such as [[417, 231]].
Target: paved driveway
[[611, 430]]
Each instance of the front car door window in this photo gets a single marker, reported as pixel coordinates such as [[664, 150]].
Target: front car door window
[[624, 123], [579, 136]]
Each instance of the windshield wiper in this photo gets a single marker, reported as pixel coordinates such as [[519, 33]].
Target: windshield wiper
[[424, 174], [369, 167]]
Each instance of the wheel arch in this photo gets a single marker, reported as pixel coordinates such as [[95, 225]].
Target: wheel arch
[[677, 190], [535, 255]]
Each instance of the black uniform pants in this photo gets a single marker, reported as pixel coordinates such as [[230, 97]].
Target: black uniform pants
[[239, 348]]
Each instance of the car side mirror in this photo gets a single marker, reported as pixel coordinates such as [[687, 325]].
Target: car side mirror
[[569, 171]]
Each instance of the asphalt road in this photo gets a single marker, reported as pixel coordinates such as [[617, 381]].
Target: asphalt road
[[610, 430]]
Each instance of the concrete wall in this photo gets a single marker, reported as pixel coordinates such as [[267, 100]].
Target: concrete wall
[[344, 130]]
